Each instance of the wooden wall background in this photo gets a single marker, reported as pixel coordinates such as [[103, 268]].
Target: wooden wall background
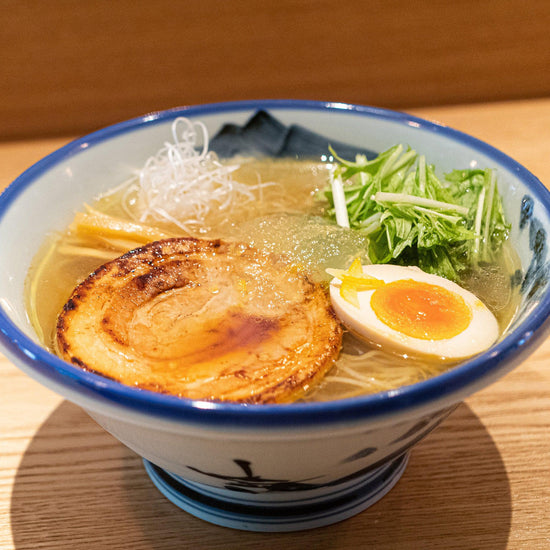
[[68, 67]]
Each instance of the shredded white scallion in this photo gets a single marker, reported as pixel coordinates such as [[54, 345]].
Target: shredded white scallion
[[184, 182]]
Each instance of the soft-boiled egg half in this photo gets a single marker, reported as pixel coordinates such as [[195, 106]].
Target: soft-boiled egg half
[[408, 311]]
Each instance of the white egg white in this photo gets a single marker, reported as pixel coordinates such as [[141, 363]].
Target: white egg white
[[478, 336]]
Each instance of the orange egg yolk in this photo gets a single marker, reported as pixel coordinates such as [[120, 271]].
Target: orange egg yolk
[[421, 310]]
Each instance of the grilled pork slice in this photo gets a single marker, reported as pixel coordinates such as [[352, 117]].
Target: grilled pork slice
[[202, 319]]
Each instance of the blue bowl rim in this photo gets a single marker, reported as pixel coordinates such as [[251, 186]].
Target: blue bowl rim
[[458, 381]]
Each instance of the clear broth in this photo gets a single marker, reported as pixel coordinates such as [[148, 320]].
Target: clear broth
[[287, 218]]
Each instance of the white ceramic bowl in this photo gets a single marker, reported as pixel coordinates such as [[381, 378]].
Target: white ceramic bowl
[[265, 467]]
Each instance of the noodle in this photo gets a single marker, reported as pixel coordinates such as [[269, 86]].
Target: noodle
[[370, 372]]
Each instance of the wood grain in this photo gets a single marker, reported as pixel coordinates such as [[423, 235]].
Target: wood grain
[[480, 481], [69, 67]]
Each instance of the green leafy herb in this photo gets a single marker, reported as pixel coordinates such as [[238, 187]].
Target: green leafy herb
[[414, 218]]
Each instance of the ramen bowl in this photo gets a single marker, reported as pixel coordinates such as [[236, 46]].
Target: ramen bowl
[[266, 467]]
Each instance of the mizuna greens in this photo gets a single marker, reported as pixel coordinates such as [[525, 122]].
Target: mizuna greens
[[412, 217]]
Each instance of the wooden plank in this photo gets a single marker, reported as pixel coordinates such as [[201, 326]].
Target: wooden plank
[[480, 481], [69, 67]]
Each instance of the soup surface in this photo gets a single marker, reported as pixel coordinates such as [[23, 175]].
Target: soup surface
[[285, 216]]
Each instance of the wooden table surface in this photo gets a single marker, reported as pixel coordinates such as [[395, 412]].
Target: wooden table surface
[[481, 480]]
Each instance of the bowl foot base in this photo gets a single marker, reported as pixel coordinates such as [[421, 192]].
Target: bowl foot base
[[278, 516]]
